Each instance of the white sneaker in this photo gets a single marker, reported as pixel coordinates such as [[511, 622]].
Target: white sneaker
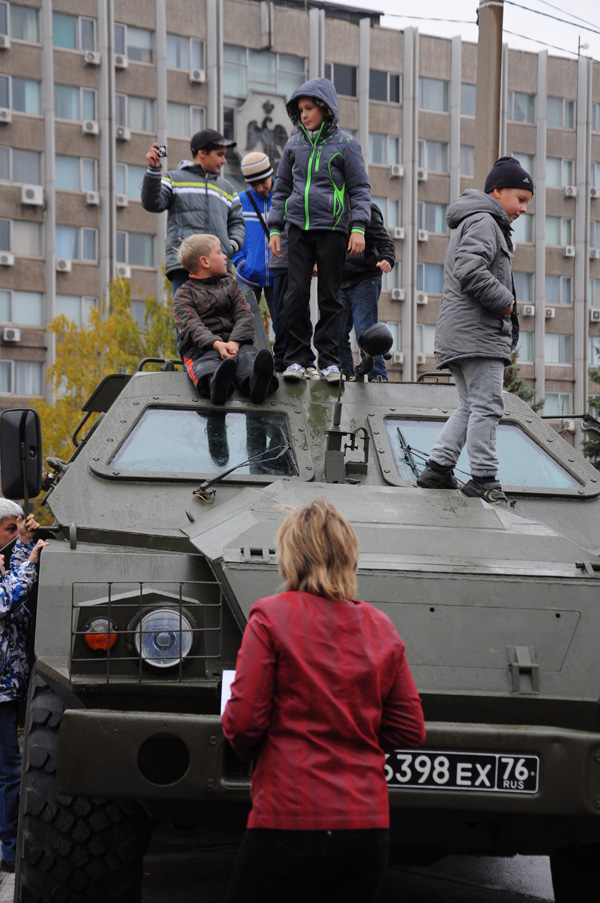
[[294, 372], [331, 374], [311, 373]]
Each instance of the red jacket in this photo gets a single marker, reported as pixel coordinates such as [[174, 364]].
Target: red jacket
[[322, 688]]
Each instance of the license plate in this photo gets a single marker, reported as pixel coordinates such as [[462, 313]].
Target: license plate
[[436, 770]]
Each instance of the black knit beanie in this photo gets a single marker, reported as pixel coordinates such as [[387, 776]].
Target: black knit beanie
[[507, 172]]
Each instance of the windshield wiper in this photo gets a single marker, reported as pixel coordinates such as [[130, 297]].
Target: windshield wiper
[[206, 494]]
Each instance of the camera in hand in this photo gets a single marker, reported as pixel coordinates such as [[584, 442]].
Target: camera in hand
[[162, 150]]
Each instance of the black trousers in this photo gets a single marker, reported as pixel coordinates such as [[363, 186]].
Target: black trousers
[[328, 250], [309, 866], [201, 365]]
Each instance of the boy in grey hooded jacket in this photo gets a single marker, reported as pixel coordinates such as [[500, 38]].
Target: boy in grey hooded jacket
[[477, 327]]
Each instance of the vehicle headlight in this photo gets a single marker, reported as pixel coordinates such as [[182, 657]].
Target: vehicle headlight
[[162, 637]]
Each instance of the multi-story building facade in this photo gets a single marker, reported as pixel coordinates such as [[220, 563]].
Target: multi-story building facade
[[88, 86]]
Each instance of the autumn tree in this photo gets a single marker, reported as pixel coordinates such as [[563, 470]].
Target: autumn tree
[[514, 382]]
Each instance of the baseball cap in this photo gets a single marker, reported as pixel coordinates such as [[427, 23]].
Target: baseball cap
[[209, 136]]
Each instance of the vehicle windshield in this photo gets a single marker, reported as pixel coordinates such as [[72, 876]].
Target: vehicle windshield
[[192, 442], [522, 461]]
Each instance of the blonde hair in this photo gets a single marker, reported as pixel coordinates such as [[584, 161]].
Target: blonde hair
[[318, 552], [195, 246]]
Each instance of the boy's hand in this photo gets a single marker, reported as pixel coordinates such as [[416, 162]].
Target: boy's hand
[[152, 156], [508, 311], [2, 571], [384, 266], [27, 527], [275, 245], [356, 245], [226, 349], [35, 552]]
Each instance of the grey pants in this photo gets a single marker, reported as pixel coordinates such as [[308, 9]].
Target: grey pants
[[475, 421]]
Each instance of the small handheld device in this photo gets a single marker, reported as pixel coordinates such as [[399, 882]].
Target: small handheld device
[[162, 150]]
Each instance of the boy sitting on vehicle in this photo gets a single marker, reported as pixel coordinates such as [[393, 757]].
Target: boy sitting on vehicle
[[216, 327]]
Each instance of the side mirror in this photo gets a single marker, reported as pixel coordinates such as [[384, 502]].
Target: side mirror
[[20, 453]]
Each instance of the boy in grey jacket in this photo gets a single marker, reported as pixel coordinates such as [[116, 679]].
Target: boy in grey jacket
[[477, 327]]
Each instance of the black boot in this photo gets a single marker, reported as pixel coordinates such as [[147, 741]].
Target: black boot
[[437, 476], [221, 382], [261, 377], [487, 488]]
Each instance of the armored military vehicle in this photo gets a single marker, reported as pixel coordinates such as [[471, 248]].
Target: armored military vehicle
[[163, 538]]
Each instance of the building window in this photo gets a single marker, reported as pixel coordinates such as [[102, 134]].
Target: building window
[[593, 351], [136, 44], [129, 178], [71, 102], [184, 53], [24, 308], [559, 172], [595, 234], [434, 95], [343, 77], [22, 23], [23, 238], [23, 95], [467, 160], [261, 70], [596, 117], [430, 278], [521, 107], [135, 248], [183, 120], [558, 404], [561, 113], [21, 377], [394, 328], [75, 308], [527, 161], [559, 230], [18, 165], [433, 155], [595, 292], [73, 32], [384, 86], [390, 210], [76, 243], [467, 99], [75, 173], [425, 337], [135, 112], [523, 286], [392, 279], [432, 217], [559, 290], [523, 228], [383, 149], [558, 348], [595, 175], [525, 347]]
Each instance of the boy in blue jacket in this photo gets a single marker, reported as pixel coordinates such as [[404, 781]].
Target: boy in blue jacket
[[322, 192]]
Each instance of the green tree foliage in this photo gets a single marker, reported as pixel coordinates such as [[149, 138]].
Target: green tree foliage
[[591, 445], [514, 382]]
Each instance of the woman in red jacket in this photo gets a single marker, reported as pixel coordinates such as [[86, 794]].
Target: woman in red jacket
[[322, 689]]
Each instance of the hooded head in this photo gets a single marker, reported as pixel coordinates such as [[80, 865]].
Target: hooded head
[[322, 91]]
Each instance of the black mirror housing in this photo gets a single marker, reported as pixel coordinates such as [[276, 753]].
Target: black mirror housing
[[20, 453]]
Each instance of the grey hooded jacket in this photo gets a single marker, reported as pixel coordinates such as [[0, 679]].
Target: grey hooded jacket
[[197, 202], [322, 181], [478, 283]]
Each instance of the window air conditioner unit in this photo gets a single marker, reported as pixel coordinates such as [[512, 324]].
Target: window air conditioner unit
[[594, 192], [123, 133], [32, 195], [4, 42], [594, 314], [528, 310], [121, 61], [124, 271], [7, 259], [10, 334], [91, 58], [396, 171], [92, 198], [569, 251], [399, 294], [570, 191], [398, 233], [422, 235], [397, 357], [5, 115], [121, 200], [197, 76], [63, 265], [422, 298], [90, 127], [421, 357], [549, 313], [421, 174], [594, 253]]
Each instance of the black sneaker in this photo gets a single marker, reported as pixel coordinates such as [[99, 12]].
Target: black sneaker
[[261, 377], [221, 382], [436, 476], [8, 865], [489, 490]]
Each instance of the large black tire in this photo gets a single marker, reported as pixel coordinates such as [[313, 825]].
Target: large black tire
[[575, 874], [71, 849]]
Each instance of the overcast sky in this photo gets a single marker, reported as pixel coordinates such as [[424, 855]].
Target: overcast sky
[[528, 18]]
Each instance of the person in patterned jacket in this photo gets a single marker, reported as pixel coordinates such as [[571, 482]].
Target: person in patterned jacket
[[15, 623]]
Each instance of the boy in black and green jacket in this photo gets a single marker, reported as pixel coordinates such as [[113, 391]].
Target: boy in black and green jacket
[[322, 192]]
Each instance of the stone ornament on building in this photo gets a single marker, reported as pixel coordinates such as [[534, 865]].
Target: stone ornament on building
[[261, 123]]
